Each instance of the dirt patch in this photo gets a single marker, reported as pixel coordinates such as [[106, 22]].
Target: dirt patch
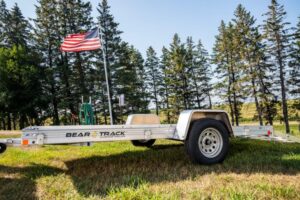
[[9, 132]]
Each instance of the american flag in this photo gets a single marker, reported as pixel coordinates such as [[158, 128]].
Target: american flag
[[81, 42]]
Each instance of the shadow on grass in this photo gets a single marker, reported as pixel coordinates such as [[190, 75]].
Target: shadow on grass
[[24, 186], [98, 175]]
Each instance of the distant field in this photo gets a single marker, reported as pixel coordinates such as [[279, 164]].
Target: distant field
[[294, 129], [252, 170], [248, 110]]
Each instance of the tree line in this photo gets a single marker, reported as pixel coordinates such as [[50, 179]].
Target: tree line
[[40, 84], [258, 61]]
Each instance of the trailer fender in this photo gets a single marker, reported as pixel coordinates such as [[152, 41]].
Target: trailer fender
[[187, 117]]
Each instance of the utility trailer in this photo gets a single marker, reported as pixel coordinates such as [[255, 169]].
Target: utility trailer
[[205, 133]]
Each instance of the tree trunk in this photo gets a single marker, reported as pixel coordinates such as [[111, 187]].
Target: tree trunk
[[55, 107], [197, 91], [209, 100], [155, 92], [14, 122], [1, 124], [22, 121], [258, 108], [282, 84], [254, 91], [284, 103], [67, 84], [3, 121], [53, 92], [235, 103], [81, 75], [167, 104], [8, 121], [236, 111]]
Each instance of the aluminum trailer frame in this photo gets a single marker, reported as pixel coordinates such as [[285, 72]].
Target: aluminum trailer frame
[[213, 125]]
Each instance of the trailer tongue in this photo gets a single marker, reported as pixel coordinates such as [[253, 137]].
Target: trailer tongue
[[205, 133]]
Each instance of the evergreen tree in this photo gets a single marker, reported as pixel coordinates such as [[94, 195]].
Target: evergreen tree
[[249, 41], [17, 28], [177, 78], [4, 14], [227, 58], [278, 48], [74, 17], [3, 42], [294, 64], [47, 41], [164, 93], [129, 83], [111, 45], [140, 86], [20, 86], [153, 77], [199, 73]]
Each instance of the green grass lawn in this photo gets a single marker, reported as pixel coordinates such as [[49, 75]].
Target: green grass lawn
[[118, 170], [281, 129]]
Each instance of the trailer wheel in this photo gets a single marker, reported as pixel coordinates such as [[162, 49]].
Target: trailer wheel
[[2, 148], [143, 143], [208, 141]]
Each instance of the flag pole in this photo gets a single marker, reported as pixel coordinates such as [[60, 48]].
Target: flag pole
[[106, 77]]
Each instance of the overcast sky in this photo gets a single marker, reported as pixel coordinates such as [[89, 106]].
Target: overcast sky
[[154, 22]]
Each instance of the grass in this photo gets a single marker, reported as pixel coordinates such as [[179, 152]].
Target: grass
[[10, 136], [118, 170], [281, 129]]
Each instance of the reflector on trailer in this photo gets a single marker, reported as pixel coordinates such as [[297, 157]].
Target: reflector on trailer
[[25, 142]]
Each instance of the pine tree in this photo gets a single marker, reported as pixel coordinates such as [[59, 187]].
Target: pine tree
[[164, 93], [17, 28], [74, 16], [47, 41], [294, 64], [177, 78], [128, 81], [278, 43], [199, 73], [249, 46], [153, 77], [3, 42], [4, 14], [227, 58], [139, 86], [111, 45]]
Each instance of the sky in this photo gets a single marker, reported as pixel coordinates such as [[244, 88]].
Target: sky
[[153, 22]]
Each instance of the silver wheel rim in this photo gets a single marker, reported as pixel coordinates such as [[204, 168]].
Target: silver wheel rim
[[210, 142]]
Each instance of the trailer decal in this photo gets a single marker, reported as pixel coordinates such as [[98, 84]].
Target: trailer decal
[[85, 134], [112, 134]]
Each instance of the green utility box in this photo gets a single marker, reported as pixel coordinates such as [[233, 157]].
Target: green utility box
[[86, 114]]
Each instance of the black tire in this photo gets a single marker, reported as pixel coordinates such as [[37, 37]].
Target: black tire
[[207, 129], [143, 143], [2, 148]]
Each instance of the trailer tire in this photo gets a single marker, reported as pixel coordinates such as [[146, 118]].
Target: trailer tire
[[2, 148], [143, 143], [207, 142]]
